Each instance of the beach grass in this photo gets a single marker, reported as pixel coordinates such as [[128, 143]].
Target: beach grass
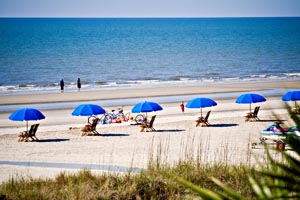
[[145, 185]]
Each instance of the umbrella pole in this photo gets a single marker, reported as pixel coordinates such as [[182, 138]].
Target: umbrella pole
[[250, 107], [201, 112], [27, 126]]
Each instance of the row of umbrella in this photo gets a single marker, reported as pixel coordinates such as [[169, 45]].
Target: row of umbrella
[[248, 98], [92, 109], [207, 102], [31, 114]]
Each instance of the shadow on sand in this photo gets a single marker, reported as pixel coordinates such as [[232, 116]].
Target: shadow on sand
[[270, 146], [222, 125], [136, 124], [113, 134], [53, 140], [271, 120], [170, 130]]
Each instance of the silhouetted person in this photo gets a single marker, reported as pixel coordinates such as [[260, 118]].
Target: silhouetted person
[[78, 84], [62, 85]]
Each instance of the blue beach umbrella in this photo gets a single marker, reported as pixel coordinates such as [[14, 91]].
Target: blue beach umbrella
[[291, 96], [250, 98], [146, 106], [26, 114], [88, 110], [201, 102]]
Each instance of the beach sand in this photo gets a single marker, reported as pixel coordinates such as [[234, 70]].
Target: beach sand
[[123, 146]]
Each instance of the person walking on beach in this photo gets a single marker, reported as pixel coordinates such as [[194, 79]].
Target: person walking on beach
[[182, 106], [78, 84], [62, 85]]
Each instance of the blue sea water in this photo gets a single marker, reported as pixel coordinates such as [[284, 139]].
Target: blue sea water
[[36, 53]]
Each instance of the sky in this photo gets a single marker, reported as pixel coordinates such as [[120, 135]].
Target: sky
[[149, 8]]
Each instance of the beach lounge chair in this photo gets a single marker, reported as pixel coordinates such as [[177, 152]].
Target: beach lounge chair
[[252, 116], [25, 135], [90, 129], [22, 135], [148, 125], [203, 121], [296, 111]]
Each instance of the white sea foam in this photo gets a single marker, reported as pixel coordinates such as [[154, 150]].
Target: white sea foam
[[292, 74], [28, 89], [231, 79]]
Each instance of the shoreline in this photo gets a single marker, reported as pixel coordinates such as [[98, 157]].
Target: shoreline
[[138, 84], [268, 93], [107, 94]]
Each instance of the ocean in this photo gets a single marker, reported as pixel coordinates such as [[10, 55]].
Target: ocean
[[36, 53]]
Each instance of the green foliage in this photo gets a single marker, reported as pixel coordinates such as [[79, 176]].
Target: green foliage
[[150, 184], [283, 178]]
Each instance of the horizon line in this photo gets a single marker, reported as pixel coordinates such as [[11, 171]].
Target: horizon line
[[149, 17]]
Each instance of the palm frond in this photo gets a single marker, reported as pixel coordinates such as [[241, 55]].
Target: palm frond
[[204, 193]]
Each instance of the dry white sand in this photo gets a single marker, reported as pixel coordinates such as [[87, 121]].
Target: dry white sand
[[121, 146]]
